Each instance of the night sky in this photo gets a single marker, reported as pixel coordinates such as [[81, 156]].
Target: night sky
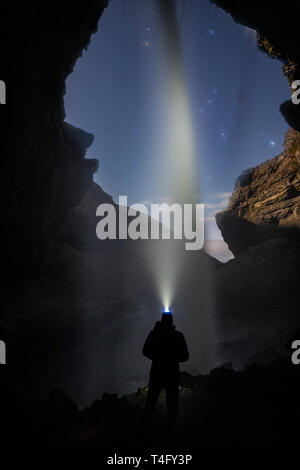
[[116, 92]]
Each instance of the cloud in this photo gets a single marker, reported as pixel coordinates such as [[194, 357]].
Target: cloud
[[223, 195], [217, 205], [218, 200]]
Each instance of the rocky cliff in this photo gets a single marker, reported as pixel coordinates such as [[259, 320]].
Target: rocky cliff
[[44, 173], [266, 201]]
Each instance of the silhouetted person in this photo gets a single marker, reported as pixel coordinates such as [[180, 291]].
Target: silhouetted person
[[166, 347]]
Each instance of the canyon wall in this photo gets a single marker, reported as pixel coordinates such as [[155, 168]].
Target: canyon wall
[[44, 172], [256, 293], [266, 201]]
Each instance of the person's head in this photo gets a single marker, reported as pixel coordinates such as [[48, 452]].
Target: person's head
[[167, 319]]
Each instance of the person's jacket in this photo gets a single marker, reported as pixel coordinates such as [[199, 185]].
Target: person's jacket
[[165, 345]]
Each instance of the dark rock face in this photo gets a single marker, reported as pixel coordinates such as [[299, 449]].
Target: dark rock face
[[44, 172], [257, 302], [83, 220], [276, 26], [266, 201]]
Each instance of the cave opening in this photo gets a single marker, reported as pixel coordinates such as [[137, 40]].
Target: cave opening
[[117, 92]]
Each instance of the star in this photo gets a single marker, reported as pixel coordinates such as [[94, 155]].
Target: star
[[211, 31], [146, 43], [272, 143]]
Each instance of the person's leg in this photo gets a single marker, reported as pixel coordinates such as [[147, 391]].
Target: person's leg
[[152, 397], [172, 402]]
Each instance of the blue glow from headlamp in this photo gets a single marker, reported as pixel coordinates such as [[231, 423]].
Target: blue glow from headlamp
[[167, 310]]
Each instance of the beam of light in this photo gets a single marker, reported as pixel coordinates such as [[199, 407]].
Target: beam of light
[[176, 147], [182, 278]]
